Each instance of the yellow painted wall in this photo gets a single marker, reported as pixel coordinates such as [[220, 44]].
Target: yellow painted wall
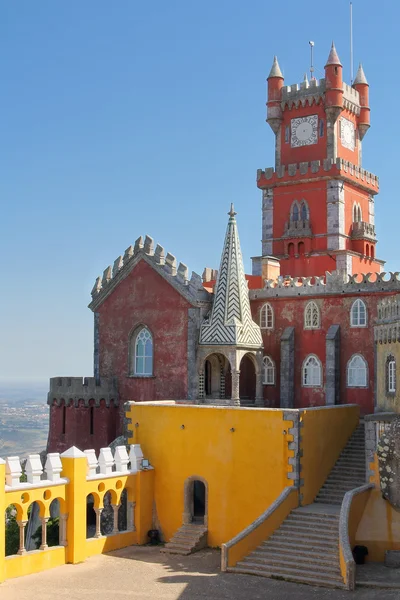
[[385, 401], [324, 434], [379, 527], [34, 562], [246, 469]]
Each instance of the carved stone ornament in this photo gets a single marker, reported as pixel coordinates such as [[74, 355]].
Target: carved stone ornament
[[388, 452]]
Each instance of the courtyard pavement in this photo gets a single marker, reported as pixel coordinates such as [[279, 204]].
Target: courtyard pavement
[[140, 573]]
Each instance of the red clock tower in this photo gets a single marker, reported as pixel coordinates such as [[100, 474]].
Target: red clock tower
[[318, 202]]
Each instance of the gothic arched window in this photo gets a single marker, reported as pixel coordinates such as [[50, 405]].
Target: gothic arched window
[[312, 372], [312, 318], [267, 317], [357, 371], [142, 353], [269, 371], [391, 375], [358, 314], [304, 212], [295, 212]]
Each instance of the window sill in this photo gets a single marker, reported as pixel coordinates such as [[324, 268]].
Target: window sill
[[357, 387], [141, 377], [269, 384], [358, 326]]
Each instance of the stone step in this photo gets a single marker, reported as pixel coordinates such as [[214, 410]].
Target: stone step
[[330, 555], [175, 551], [328, 501], [305, 536], [314, 516], [306, 530], [292, 573], [298, 578], [316, 523], [333, 569], [290, 559], [300, 545]]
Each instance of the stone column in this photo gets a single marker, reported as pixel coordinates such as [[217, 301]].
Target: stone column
[[44, 521], [98, 512], [130, 521], [201, 387], [235, 399], [22, 525], [287, 368], [259, 390], [332, 376], [63, 529], [115, 508]]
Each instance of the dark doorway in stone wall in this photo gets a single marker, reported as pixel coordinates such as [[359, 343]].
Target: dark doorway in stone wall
[[199, 501], [247, 383]]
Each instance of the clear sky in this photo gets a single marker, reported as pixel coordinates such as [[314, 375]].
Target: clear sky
[[125, 118]]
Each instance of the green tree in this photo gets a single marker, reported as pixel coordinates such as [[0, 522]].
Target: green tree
[[12, 531], [53, 533]]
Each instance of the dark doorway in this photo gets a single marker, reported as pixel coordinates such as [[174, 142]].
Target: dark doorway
[[247, 384], [199, 501], [207, 378]]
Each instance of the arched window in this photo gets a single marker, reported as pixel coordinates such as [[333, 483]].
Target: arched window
[[354, 213], [312, 372], [142, 346], [267, 317], [359, 215], [295, 212], [304, 212], [390, 375], [357, 371], [269, 371], [367, 250], [311, 316], [372, 251], [358, 314], [291, 249]]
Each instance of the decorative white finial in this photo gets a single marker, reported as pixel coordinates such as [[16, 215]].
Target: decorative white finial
[[232, 212]]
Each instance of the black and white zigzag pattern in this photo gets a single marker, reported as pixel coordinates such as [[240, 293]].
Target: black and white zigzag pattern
[[231, 322]]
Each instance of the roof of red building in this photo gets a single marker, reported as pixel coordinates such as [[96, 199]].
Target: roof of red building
[[255, 283]]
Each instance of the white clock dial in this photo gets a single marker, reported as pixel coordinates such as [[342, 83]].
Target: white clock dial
[[304, 131], [347, 134]]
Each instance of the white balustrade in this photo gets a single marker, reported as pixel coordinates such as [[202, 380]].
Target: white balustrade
[[121, 459], [13, 471], [106, 461], [53, 466], [92, 463], [33, 468]]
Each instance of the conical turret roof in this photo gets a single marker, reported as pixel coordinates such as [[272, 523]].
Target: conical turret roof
[[333, 58], [360, 76], [230, 322], [275, 69]]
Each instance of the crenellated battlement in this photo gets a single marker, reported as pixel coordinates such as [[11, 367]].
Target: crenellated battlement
[[389, 309], [76, 390], [164, 262], [309, 92], [330, 283], [285, 175]]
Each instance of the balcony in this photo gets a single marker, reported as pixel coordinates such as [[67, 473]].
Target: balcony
[[363, 230], [297, 229]]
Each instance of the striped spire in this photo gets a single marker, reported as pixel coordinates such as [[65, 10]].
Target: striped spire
[[231, 322]]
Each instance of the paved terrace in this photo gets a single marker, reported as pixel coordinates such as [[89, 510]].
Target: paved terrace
[[143, 572]]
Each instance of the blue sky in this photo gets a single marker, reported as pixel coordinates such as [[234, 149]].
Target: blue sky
[[125, 118]]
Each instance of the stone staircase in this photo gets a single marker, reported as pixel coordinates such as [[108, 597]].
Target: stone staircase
[[188, 539], [348, 472], [305, 548]]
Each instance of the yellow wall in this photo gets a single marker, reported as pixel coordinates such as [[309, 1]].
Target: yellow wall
[[385, 401], [379, 527], [246, 470], [324, 434]]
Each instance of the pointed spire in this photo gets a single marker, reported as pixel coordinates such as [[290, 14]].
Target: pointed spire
[[360, 76], [230, 322], [305, 80], [275, 69], [333, 58]]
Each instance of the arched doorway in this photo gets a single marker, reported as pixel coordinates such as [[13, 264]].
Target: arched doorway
[[215, 369], [195, 501], [247, 384]]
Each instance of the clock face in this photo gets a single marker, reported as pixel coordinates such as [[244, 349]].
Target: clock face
[[347, 134], [304, 131]]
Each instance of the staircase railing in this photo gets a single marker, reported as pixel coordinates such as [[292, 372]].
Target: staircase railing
[[262, 528], [353, 506]]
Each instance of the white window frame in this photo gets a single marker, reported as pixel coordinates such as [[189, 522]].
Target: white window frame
[[267, 317], [310, 310], [316, 381], [134, 344], [354, 383], [355, 313], [269, 371], [391, 375]]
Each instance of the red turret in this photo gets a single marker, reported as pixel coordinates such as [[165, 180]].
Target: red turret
[[275, 84], [334, 84], [362, 87]]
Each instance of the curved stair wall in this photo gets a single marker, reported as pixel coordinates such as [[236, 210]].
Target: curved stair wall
[[261, 529], [351, 512]]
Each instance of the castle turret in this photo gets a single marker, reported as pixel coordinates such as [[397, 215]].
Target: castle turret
[[275, 84], [362, 87], [334, 85]]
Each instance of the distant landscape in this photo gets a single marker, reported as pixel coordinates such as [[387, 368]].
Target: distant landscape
[[24, 417]]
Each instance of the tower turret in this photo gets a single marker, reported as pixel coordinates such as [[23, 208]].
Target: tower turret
[[275, 84], [334, 85], [362, 87]]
